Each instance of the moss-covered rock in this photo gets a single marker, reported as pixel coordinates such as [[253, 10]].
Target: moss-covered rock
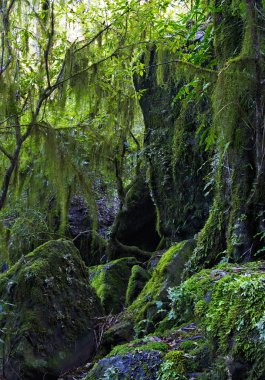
[[150, 306], [173, 366], [228, 304], [53, 320], [138, 365], [176, 360], [140, 359], [139, 345], [110, 282], [137, 281], [166, 274]]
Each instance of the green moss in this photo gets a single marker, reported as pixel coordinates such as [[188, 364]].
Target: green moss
[[110, 282], [187, 345], [138, 345], [137, 281], [55, 309], [173, 367], [229, 306], [177, 358], [152, 289], [210, 241]]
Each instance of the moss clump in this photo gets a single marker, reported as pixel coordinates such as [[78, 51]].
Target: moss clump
[[228, 304], [173, 367], [177, 358], [138, 345], [137, 281], [53, 322], [110, 282], [187, 345]]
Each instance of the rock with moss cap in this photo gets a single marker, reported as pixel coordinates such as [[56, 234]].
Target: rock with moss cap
[[137, 281], [138, 365], [152, 357], [228, 304], [144, 313], [110, 282], [51, 326], [166, 274]]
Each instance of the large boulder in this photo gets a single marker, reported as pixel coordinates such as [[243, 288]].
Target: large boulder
[[138, 366], [52, 313], [179, 355], [139, 360]]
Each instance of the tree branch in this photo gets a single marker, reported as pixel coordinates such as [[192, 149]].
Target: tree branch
[[4, 151], [102, 31], [188, 64], [48, 47]]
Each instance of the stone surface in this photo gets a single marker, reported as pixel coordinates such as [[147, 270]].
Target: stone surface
[[176, 164], [135, 224], [136, 365], [166, 274], [137, 281], [52, 325], [110, 282]]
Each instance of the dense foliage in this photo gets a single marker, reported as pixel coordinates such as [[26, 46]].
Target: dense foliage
[[136, 129], [70, 113]]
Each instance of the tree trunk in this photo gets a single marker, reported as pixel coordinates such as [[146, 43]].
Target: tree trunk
[[235, 228]]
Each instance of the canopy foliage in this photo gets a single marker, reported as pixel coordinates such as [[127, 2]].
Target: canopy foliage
[[70, 115]]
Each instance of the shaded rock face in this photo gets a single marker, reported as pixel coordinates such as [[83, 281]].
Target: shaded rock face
[[110, 282], [53, 324], [135, 224], [91, 248], [138, 279], [79, 218], [176, 164], [166, 274], [145, 311], [137, 366]]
